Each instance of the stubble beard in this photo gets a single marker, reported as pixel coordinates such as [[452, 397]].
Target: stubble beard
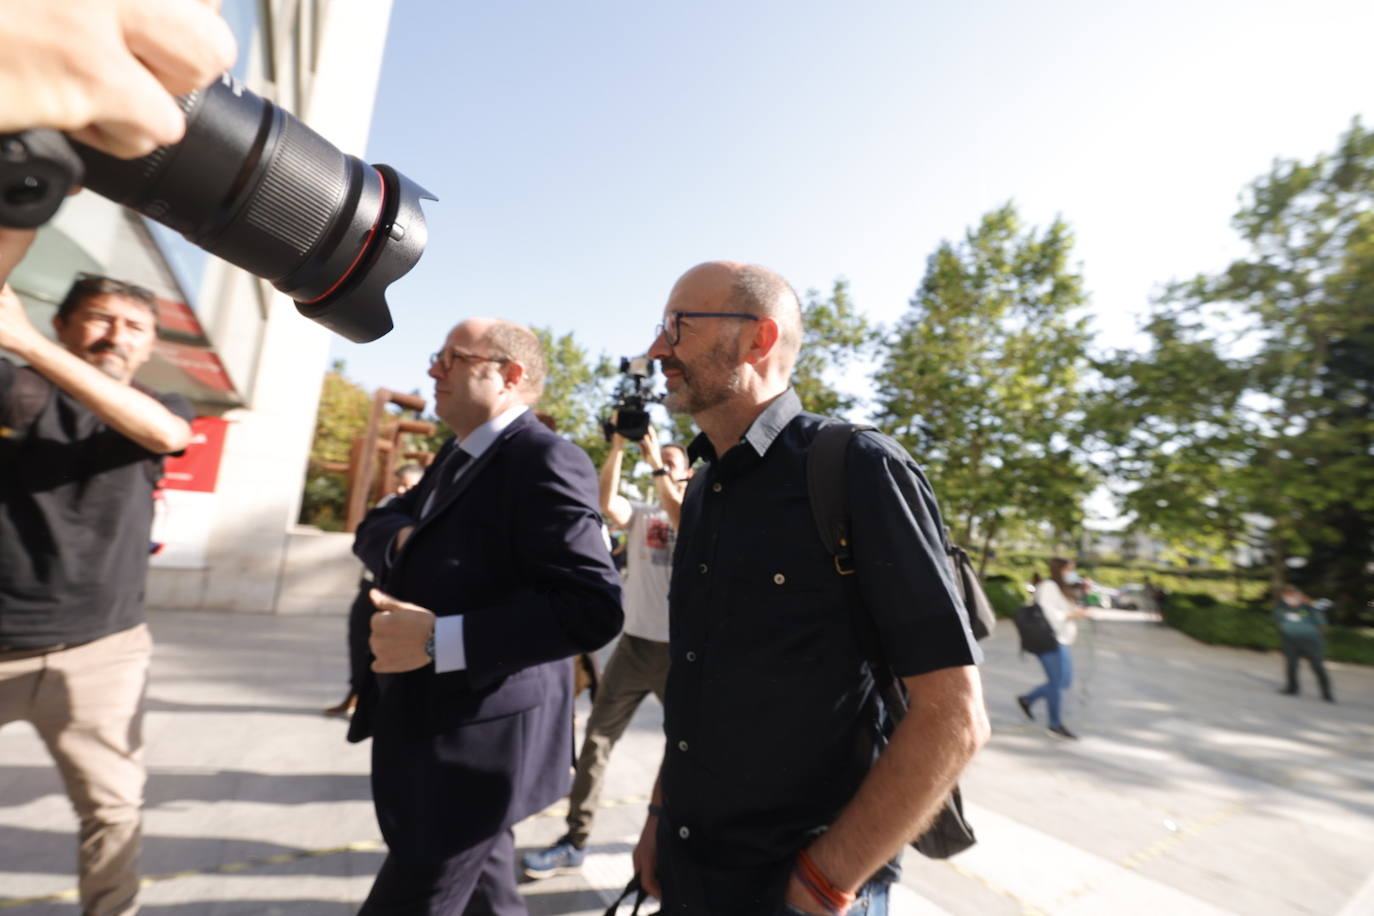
[[111, 360], [709, 385]]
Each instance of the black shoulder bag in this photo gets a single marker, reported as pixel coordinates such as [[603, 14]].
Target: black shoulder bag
[[950, 833]]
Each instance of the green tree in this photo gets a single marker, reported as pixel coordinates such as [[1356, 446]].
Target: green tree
[[341, 418], [1303, 296], [1167, 430], [576, 390], [836, 336], [981, 379]]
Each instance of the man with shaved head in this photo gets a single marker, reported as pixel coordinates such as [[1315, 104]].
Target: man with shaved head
[[492, 572], [776, 795]]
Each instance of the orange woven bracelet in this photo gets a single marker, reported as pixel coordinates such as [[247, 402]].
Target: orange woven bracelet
[[826, 893]]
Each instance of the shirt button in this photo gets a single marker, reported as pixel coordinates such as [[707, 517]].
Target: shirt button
[[716, 488], [702, 569], [682, 746], [691, 656], [779, 578], [684, 832]]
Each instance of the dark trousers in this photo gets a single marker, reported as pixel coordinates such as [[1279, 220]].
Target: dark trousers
[[476, 881], [359, 629], [1294, 649]]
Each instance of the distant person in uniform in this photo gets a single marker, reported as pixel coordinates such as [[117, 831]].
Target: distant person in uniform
[[1302, 629]]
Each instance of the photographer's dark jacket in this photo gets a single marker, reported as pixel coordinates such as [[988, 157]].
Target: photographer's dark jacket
[[769, 715], [76, 508]]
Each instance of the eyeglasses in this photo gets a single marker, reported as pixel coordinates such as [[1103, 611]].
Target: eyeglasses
[[445, 357], [671, 326]]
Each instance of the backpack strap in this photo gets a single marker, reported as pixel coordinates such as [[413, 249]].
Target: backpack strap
[[825, 485], [829, 493]]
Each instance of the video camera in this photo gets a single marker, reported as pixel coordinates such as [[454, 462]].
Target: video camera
[[255, 186], [629, 412]]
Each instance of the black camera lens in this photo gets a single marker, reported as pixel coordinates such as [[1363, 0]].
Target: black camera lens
[[27, 192], [257, 187]]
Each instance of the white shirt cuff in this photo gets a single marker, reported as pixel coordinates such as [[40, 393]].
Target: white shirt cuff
[[449, 653]]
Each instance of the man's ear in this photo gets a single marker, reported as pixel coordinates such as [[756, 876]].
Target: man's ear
[[513, 374], [763, 341]]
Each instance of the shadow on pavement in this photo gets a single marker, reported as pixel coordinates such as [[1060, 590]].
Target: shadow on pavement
[[24, 784]]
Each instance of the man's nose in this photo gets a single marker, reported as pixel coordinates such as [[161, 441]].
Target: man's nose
[[436, 370], [118, 333], [660, 347]]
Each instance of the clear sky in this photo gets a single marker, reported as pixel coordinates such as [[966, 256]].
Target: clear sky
[[585, 154]]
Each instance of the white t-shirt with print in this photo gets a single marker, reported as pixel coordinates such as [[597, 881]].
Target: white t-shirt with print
[[648, 570]]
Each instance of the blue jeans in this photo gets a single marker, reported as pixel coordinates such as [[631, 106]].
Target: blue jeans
[[1058, 666], [872, 901]]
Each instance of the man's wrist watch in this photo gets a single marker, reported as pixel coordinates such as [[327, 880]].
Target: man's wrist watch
[[659, 472], [429, 646]]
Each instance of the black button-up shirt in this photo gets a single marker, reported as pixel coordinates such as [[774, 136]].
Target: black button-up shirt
[[770, 714]]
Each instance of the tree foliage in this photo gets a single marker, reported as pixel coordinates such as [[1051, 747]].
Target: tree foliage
[[835, 338], [341, 418], [1285, 429], [1165, 421], [576, 390], [981, 378]]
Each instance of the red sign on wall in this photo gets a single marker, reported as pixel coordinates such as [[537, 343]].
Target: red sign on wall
[[198, 467]]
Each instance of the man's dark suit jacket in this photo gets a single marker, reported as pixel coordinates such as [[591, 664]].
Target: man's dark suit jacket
[[516, 547]]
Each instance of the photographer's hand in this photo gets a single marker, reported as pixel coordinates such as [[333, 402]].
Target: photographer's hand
[[615, 508], [108, 71]]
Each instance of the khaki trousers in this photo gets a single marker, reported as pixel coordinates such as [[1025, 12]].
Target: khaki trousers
[[86, 703], [636, 668]]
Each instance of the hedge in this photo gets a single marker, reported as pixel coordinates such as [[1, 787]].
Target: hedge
[[1005, 595], [1208, 620]]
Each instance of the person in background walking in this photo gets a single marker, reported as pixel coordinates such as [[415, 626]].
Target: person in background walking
[[1302, 626], [1055, 596]]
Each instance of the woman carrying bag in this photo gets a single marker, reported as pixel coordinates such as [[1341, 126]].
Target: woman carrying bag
[[1056, 597]]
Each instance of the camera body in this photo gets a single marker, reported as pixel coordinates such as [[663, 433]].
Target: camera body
[[630, 410]]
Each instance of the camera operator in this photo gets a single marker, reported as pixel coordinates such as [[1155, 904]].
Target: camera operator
[[82, 443], [639, 664], [82, 450]]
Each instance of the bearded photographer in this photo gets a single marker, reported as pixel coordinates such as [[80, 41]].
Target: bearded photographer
[[639, 664], [82, 442]]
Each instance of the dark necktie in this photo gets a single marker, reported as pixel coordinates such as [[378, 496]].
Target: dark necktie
[[453, 462]]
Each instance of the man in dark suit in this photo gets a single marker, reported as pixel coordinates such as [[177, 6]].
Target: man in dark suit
[[493, 572]]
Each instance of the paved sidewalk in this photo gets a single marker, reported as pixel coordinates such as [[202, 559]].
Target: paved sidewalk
[[1196, 788]]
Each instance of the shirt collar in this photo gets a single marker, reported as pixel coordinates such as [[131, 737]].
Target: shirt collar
[[766, 427], [481, 438]]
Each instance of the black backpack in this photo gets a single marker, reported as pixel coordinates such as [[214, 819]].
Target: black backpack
[[950, 833], [1037, 636]]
